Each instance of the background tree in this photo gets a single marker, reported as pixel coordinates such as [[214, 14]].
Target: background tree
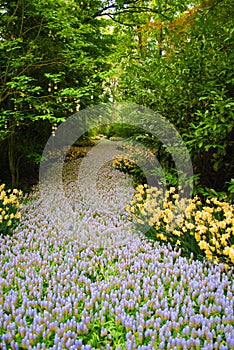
[[52, 58], [188, 77]]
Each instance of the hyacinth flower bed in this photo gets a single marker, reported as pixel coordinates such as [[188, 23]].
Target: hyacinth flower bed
[[86, 280]]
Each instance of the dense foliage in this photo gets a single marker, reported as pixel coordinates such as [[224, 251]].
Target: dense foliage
[[173, 57], [183, 68], [53, 61]]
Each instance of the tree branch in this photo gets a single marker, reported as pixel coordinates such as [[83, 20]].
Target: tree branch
[[130, 9], [118, 21]]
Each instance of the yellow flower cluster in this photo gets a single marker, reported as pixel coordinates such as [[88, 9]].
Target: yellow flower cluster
[[9, 208], [121, 162], [214, 229], [178, 220]]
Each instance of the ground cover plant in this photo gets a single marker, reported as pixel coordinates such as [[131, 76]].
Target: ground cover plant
[[85, 279]]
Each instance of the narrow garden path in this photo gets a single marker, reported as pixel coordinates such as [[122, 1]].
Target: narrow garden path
[[83, 279]]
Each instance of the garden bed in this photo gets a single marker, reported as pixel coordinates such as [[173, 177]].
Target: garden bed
[[84, 279]]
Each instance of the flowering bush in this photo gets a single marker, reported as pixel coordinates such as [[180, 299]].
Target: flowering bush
[[205, 230], [9, 209], [128, 166], [122, 162]]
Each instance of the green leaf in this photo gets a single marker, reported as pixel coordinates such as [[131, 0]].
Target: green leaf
[[200, 144]]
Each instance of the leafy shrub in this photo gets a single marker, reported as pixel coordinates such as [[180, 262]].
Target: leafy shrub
[[137, 161], [204, 230], [121, 130], [9, 209], [210, 193]]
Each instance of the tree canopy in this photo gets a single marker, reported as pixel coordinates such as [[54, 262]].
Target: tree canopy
[[183, 67], [176, 58]]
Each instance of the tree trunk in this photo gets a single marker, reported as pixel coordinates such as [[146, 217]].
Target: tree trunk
[[139, 35], [11, 156], [160, 42]]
